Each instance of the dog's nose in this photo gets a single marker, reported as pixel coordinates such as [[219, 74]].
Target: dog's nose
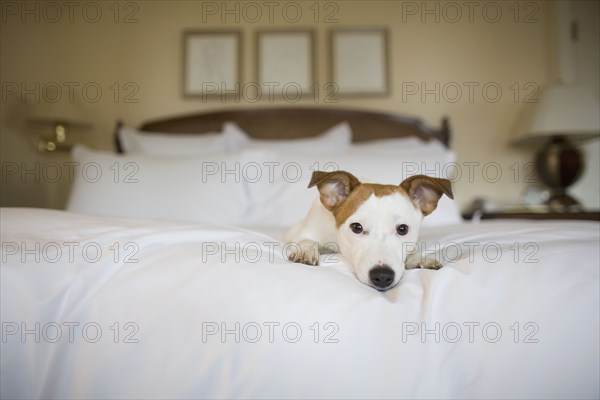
[[382, 276]]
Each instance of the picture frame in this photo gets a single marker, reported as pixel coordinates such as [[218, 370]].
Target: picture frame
[[212, 63], [285, 61], [359, 61]]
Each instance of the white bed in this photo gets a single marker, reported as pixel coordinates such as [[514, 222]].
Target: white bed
[[132, 306]]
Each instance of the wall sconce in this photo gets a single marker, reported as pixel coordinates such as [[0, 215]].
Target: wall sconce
[[565, 116], [58, 120]]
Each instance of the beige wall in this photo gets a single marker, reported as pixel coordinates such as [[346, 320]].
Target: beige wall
[[470, 51]]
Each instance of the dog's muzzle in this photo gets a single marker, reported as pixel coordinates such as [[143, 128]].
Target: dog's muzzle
[[382, 276]]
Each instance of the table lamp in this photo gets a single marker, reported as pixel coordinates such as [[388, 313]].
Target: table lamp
[[59, 119], [565, 116]]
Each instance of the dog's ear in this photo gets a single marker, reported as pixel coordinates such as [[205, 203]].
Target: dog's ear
[[425, 191], [334, 187]]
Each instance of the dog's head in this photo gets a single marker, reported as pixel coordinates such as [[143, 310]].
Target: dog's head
[[378, 225]]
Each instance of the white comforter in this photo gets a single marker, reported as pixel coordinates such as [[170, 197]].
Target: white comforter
[[115, 308]]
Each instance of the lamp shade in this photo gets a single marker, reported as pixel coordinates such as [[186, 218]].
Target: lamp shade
[[568, 110]]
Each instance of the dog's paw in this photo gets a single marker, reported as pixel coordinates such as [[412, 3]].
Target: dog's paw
[[305, 252], [423, 262]]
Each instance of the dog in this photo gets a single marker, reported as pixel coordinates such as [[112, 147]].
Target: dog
[[371, 225]]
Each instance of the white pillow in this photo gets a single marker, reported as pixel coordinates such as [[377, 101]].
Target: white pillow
[[281, 198], [134, 141], [189, 189], [334, 140]]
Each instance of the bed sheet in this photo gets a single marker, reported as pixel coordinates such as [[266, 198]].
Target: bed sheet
[[96, 307]]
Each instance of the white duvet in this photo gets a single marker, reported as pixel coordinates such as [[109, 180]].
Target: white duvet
[[113, 308]]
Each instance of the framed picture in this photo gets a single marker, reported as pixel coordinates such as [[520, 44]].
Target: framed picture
[[211, 62], [359, 61], [285, 62]]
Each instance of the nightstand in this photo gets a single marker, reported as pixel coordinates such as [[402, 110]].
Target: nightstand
[[537, 215]]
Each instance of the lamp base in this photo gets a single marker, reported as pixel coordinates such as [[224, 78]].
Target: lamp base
[[559, 165], [560, 201], [50, 146]]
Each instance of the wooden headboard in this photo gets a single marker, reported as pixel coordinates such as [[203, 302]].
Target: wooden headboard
[[296, 122]]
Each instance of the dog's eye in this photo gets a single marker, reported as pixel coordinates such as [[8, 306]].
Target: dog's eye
[[402, 229], [356, 227]]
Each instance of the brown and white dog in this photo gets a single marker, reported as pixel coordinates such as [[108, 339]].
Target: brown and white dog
[[371, 225]]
